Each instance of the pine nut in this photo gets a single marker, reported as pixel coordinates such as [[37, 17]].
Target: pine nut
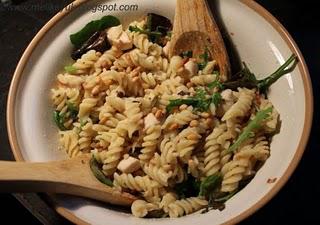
[[183, 107], [205, 115], [174, 126], [158, 114], [95, 90], [192, 137], [135, 79], [189, 85], [194, 123]]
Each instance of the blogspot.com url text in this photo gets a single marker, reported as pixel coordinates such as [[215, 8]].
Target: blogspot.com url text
[[58, 7]]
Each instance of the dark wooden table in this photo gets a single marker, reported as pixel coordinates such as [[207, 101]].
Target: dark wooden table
[[297, 201]]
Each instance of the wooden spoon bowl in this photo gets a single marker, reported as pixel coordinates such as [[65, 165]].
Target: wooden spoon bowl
[[195, 29]]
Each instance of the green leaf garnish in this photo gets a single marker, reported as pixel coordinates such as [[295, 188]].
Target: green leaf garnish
[[199, 102], [209, 184], [72, 109], [70, 69], [263, 85], [59, 119], [216, 83], [83, 123], [227, 197], [151, 34], [216, 99], [77, 39], [248, 131], [94, 166], [177, 102], [245, 78], [205, 59], [187, 188]]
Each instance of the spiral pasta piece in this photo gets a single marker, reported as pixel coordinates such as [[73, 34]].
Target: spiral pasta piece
[[141, 41], [168, 152], [86, 107], [70, 81], [242, 106], [181, 118], [137, 183], [86, 135], [166, 200], [85, 65], [108, 57], [203, 80], [270, 124], [140, 208], [148, 79], [150, 142], [69, 141], [134, 116], [233, 171], [158, 173], [186, 206], [59, 99], [186, 142], [111, 158]]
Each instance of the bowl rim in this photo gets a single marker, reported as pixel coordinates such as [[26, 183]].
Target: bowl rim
[[249, 3]]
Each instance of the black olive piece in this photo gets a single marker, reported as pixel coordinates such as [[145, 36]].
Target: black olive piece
[[98, 41], [161, 23]]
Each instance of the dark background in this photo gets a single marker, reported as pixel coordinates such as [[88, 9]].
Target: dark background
[[296, 203]]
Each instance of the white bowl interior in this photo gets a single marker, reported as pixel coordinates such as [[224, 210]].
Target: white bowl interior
[[258, 43]]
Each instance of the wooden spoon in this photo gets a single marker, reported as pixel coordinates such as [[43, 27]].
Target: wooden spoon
[[72, 176], [195, 29]]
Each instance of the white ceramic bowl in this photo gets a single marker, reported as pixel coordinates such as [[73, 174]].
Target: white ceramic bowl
[[261, 41]]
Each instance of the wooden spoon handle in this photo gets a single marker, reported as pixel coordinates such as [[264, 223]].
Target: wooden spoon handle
[[191, 15], [30, 177], [72, 177]]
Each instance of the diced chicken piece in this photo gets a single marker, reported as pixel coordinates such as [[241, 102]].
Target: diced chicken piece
[[124, 42], [114, 33], [129, 165], [150, 120], [227, 95], [192, 68], [119, 38], [166, 49]]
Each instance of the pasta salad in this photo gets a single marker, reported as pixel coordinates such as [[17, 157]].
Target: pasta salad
[[172, 131]]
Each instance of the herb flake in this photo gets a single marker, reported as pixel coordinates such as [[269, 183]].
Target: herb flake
[[70, 69], [209, 184], [59, 120], [200, 101], [153, 35], [72, 109]]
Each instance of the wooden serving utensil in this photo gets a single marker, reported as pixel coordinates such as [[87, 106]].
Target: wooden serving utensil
[[195, 29], [72, 176]]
